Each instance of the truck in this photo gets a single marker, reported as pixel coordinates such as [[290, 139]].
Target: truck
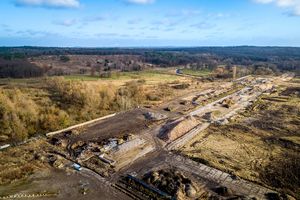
[[77, 167]]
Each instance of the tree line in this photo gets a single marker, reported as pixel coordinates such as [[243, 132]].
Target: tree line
[[19, 68], [13, 60]]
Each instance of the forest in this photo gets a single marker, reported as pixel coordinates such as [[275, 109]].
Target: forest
[[14, 61]]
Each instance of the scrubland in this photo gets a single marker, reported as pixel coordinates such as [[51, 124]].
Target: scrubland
[[36, 106]]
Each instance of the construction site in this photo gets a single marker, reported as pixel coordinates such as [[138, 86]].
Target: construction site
[[188, 148]]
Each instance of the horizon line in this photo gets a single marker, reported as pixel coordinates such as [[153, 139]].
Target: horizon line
[[150, 47]]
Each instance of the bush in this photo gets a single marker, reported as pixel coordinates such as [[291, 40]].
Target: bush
[[152, 97], [52, 119], [18, 115], [16, 173], [131, 95], [82, 100], [64, 58], [181, 86], [106, 74], [73, 93], [164, 90], [263, 71]]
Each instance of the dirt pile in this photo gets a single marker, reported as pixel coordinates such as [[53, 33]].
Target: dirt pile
[[181, 86], [178, 128], [154, 116], [209, 116], [291, 91], [128, 146], [59, 142], [175, 184], [267, 87], [227, 103]]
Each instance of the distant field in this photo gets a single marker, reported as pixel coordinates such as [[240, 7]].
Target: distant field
[[194, 72], [118, 78], [19, 81]]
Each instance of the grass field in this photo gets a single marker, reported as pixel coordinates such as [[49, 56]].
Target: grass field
[[149, 74], [194, 72], [8, 81], [119, 78], [116, 78]]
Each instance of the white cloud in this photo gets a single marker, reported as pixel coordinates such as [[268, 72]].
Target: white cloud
[[264, 1], [140, 1], [67, 22], [49, 3], [183, 13], [292, 5]]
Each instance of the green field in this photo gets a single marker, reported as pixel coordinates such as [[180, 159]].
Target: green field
[[20, 81], [148, 75], [194, 72]]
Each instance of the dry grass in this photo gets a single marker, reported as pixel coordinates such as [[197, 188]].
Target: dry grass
[[152, 77], [261, 144], [18, 163]]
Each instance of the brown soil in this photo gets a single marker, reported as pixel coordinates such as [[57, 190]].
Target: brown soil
[[66, 185], [176, 129], [175, 184], [131, 122]]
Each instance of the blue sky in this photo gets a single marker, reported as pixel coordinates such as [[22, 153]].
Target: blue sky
[[119, 23]]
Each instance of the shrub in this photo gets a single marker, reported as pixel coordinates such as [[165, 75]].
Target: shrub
[[73, 93], [164, 90], [64, 58], [82, 100], [181, 86], [131, 95], [52, 119], [18, 115], [106, 75], [152, 97], [264, 71]]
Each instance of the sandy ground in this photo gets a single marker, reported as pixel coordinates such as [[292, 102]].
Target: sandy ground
[[67, 185]]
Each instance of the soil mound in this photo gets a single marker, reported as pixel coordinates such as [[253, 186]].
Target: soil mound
[[154, 116], [178, 128], [175, 184]]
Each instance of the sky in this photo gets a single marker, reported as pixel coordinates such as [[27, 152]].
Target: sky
[[149, 23]]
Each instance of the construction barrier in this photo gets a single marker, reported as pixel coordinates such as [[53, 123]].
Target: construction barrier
[[80, 125], [19, 196]]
